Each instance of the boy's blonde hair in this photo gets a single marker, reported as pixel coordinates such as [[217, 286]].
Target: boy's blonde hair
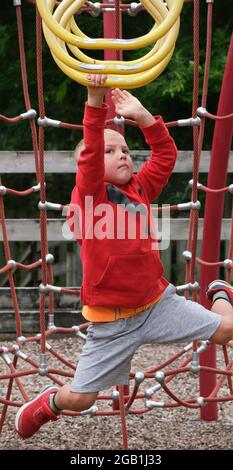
[[80, 144]]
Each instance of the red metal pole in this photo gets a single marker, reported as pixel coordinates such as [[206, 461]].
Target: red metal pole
[[113, 29], [213, 217]]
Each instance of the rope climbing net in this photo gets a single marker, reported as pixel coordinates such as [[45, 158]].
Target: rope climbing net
[[60, 29]]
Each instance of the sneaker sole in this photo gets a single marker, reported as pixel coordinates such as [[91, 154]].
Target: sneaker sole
[[18, 414], [218, 283]]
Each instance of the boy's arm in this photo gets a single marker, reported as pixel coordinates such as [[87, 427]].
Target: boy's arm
[[155, 173], [90, 174]]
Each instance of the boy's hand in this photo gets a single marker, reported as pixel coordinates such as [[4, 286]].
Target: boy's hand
[[96, 90], [129, 106]]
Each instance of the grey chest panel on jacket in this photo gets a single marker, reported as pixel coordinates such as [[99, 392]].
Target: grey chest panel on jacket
[[116, 196]]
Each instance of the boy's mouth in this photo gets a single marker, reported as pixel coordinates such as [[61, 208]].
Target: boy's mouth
[[123, 165]]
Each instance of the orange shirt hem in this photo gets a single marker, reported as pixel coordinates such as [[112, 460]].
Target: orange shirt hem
[[107, 314]]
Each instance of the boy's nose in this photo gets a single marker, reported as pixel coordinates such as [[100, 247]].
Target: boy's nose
[[123, 156]]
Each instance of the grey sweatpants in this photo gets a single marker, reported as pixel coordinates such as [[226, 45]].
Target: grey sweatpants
[[106, 357]]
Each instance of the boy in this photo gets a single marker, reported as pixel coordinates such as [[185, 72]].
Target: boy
[[125, 297]]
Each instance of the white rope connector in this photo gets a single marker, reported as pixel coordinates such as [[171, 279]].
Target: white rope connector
[[189, 286], [160, 376], [201, 111], [36, 188], [51, 325], [139, 377], [6, 358], [195, 366], [200, 401], [115, 395], [16, 3], [150, 391], [30, 114], [134, 9], [46, 122], [187, 255], [230, 188], [49, 206], [189, 122], [189, 205], [43, 369], [227, 262], [154, 404], [95, 9], [190, 183], [188, 347], [49, 259], [11, 263], [21, 339], [19, 353], [119, 120], [78, 332], [48, 346], [204, 346], [91, 411], [48, 288], [3, 190]]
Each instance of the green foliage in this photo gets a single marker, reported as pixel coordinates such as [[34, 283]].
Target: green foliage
[[5, 38], [220, 44], [169, 95]]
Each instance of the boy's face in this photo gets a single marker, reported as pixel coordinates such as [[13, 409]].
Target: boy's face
[[117, 160]]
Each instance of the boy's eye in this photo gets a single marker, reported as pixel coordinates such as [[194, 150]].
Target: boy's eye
[[108, 150]]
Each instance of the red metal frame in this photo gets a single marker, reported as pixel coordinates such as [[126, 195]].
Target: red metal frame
[[110, 31], [213, 217]]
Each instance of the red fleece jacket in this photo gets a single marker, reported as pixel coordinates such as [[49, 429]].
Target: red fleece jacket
[[118, 271]]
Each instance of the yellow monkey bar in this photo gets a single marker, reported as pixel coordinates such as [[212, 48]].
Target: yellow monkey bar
[[62, 33]]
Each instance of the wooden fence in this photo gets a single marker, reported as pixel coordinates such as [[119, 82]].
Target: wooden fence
[[63, 161]]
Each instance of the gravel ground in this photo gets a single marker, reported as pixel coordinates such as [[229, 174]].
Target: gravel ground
[[178, 428]]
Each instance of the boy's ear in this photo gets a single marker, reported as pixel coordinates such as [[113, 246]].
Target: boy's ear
[[76, 156], [78, 149]]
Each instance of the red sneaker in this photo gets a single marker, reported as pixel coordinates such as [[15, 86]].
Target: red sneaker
[[35, 413], [217, 286]]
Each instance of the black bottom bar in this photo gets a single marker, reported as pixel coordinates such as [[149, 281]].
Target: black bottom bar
[[116, 459]]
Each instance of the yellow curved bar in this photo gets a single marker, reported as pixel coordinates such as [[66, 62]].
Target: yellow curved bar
[[123, 44], [77, 53], [135, 81], [164, 45], [156, 58], [112, 67], [123, 74], [59, 49]]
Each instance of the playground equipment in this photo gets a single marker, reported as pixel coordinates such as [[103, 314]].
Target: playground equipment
[[60, 29], [59, 26]]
